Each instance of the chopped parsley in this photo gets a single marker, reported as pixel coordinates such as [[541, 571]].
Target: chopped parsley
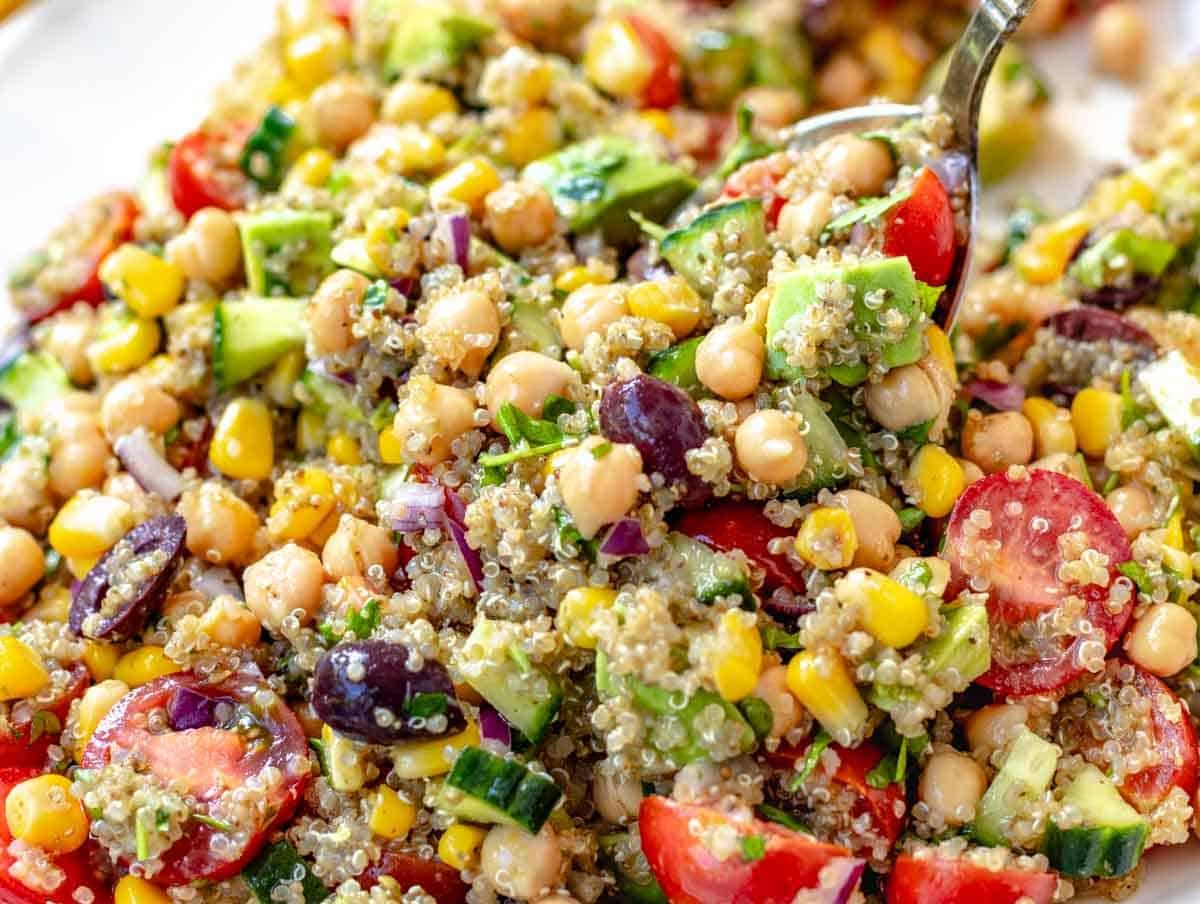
[[780, 817], [376, 295], [601, 449], [758, 714], [868, 210], [363, 622], [778, 639], [423, 706], [754, 847], [812, 757], [910, 520]]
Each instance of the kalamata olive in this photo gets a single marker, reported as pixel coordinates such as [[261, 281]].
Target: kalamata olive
[[1092, 324], [662, 422], [1139, 290], [369, 690], [116, 597]]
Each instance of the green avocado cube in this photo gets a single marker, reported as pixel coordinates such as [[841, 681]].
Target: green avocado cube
[[1121, 251], [429, 38], [287, 252]]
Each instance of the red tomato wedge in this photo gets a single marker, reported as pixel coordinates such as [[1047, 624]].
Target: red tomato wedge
[[209, 760], [938, 880], [665, 84], [921, 228], [760, 179], [887, 806], [78, 866], [442, 882], [742, 525], [203, 171], [1174, 739], [1018, 546], [25, 743], [690, 873]]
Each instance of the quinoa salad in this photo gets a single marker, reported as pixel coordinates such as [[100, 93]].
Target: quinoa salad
[[487, 461]]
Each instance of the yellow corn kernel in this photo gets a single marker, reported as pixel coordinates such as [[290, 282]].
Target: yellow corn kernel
[[79, 566], [417, 102], [94, 705], [302, 501], [941, 349], [21, 671], [660, 121], [123, 342], [89, 525], [893, 60], [615, 59], [1043, 257], [150, 285], [243, 444], [1178, 561], [43, 812], [280, 384], [136, 890], [1053, 431], [469, 183], [314, 56], [737, 661], [310, 431], [312, 168], [670, 301], [1113, 195], [343, 448], [822, 683], [411, 150], [425, 759], [1096, 416], [939, 480], [574, 277], [576, 611], [1173, 530], [344, 761], [143, 665], [459, 845], [392, 816], [889, 611], [287, 94], [827, 540], [100, 659], [531, 135], [391, 448]]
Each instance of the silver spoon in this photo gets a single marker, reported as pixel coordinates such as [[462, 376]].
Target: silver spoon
[[990, 27]]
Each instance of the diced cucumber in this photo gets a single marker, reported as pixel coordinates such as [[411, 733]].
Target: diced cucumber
[[690, 251], [634, 886], [32, 379], [1110, 840], [252, 334], [827, 450], [483, 787], [278, 864], [963, 645], [529, 698], [1026, 774], [677, 365], [352, 254], [1173, 384], [662, 702], [1121, 251], [530, 327], [719, 65], [330, 398], [286, 251], [429, 38], [712, 574]]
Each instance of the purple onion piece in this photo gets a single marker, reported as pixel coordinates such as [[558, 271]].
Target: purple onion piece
[[786, 607], [625, 538], [188, 708], [408, 286], [953, 170], [1001, 396], [1139, 290], [839, 880], [1092, 324], [416, 507], [493, 727], [456, 231], [153, 473], [215, 581], [13, 347], [470, 556]]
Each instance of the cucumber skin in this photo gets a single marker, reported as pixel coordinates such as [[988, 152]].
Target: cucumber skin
[[996, 802], [532, 718], [680, 248], [629, 888], [500, 790], [1095, 852], [677, 365], [234, 357], [276, 864], [712, 574]]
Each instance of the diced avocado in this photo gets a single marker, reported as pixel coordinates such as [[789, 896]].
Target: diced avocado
[[32, 379], [1110, 839], [428, 38], [280, 865], [330, 398], [677, 365], [252, 334], [483, 787], [713, 574], [636, 886], [596, 183], [352, 254], [688, 252], [888, 281], [1173, 384], [1026, 774], [527, 696], [1121, 251], [530, 327], [286, 251], [662, 703], [827, 450], [719, 64]]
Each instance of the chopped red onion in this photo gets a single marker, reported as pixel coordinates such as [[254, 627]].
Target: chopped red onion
[[953, 169], [408, 286], [190, 709], [625, 539], [1001, 396], [457, 232], [214, 582], [417, 507], [470, 556], [493, 727], [839, 881], [152, 472]]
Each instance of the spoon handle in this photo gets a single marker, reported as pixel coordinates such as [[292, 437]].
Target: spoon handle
[[990, 28]]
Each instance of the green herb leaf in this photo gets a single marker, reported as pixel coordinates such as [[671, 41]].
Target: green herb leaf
[[917, 433], [1136, 573], [754, 847], [422, 706], [363, 622], [929, 296], [746, 148], [910, 519], [568, 535], [556, 406], [891, 769], [812, 757], [277, 864], [43, 722], [376, 295], [600, 450], [778, 639], [780, 817], [758, 714], [328, 635], [318, 747], [996, 336], [917, 575], [9, 434], [867, 210], [263, 156], [1131, 411], [507, 458]]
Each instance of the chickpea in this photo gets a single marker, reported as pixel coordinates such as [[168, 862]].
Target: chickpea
[[843, 81], [66, 336], [330, 317], [951, 785], [430, 418], [1163, 640], [1133, 507], [78, 462], [590, 309], [774, 107], [618, 795], [221, 527], [136, 402], [770, 447], [24, 494], [520, 215], [342, 110], [286, 581], [24, 564], [856, 166], [904, 398], [598, 491], [803, 217], [876, 525], [230, 624], [209, 249], [521, 865], [729, 360], [772, 689], [991, 728], [1118, 36], [525, 379], [360, 549], [411, 100], [971, 471], [461, 329], [997, 441], [124, 486]]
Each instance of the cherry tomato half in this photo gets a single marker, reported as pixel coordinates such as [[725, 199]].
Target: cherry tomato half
[[78, 867], [921, 228], [1019, 553], [440, 881], [209, 761], [925, 880], [664, 86], [777, 864], [760, 179], [203, 170], [25, 742], [727, 526]]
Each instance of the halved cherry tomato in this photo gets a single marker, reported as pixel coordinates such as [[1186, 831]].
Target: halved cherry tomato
[[689, 873], [207, 762], [79, 867], [921, 228], [203, 171], [341, 10], [441, 881], [887, 806], [26, 742], [1018, 553], [742, 525], [666, 78], [940, 880], [760, 179]]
